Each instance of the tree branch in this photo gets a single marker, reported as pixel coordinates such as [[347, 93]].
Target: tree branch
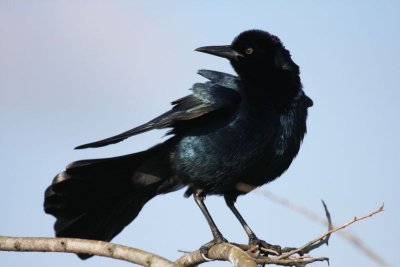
[[237, 254], [74, 245]]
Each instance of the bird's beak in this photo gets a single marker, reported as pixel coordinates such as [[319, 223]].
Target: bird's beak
[[224, 51]]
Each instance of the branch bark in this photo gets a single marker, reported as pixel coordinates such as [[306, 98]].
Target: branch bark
[[93, 247], [224, 252]]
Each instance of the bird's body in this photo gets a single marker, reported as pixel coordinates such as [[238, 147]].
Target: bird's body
[[253, 144], [230, 135]]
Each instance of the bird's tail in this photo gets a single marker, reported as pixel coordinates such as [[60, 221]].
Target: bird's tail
[[97, 198]]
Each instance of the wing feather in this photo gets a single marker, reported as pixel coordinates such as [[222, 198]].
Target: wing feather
[[206, 98]]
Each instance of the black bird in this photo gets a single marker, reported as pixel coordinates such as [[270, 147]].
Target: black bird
[[231, 135]]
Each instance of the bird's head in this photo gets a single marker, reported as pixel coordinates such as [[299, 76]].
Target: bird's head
[[255, 54]]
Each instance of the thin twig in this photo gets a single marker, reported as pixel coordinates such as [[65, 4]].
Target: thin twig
[[291, 261], [308, 244], [325, 240], [352, 238]]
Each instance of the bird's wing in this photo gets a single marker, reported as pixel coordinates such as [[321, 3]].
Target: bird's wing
[[220, 93]]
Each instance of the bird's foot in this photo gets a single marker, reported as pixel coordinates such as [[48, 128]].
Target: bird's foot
[[206, 247], [264, 247]]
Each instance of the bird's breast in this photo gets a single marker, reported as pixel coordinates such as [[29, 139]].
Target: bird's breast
[[215, 158], [247, 149]]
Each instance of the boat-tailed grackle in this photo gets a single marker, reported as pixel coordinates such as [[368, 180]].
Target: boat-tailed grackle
[[231, 135]]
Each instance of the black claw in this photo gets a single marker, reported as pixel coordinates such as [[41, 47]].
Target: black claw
[[205, 248], [265, 247]]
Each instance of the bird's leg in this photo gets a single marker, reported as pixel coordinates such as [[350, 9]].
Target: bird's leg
[[218, 238], [253, 240]]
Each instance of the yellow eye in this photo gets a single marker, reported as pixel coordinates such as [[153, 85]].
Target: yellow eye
[[249, 51]]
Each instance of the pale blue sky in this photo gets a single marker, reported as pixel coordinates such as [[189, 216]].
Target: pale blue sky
[[77, 71]]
